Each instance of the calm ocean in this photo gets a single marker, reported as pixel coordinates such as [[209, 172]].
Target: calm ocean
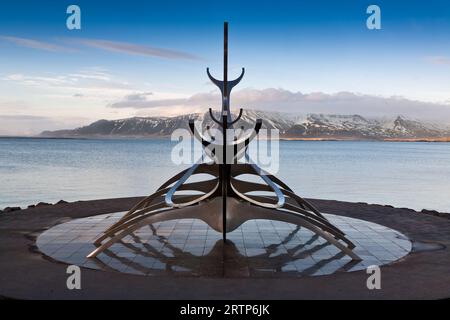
[[413, 175]]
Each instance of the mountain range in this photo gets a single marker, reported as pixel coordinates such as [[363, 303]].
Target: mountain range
[[290, 126]]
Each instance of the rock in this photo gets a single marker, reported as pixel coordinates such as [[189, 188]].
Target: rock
[[433, 212], [61, 202], [11, 209], [43, 204], [31, 206], [1, 211], [436, 213]]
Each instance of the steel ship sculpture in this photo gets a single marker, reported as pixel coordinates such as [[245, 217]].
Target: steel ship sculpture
[[225, 200]]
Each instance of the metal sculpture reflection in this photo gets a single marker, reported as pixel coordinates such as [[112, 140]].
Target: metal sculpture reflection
[[223, 260]]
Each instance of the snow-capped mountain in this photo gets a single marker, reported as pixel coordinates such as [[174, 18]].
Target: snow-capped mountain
[[358, 127], [294, 126]]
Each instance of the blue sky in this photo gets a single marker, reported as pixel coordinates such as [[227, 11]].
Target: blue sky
[[299, 51]]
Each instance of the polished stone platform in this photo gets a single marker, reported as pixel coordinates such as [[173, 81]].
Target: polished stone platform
[[189, 247], [27, 273]]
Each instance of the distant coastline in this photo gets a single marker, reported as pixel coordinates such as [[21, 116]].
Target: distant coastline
[[442, 139], [155, 137]]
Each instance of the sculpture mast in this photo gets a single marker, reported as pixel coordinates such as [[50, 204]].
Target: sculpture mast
[[225, 87], [225, 99], [226, 117]]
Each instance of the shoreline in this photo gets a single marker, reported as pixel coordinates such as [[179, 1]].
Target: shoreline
[[155, 137], [45, 205], [443, 139]]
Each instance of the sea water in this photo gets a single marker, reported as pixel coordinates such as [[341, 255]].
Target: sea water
[[403, 174]]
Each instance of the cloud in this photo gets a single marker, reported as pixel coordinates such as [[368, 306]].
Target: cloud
[[134, 49], [13, 105], [109, 45], [37, 80], [35, 44], [90, 82], [272, 99], [92, 75], [23, 117], [29, 125], [134, 100], [440, 60], [138, 96]]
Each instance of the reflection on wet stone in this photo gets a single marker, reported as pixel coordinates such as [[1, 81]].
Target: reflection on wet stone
[[188, 247]]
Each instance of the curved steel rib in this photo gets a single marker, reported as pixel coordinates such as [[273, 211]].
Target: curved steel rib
[[233, 83], [214, 118], [169, 195], [237, 146], [218, 83], [230, 84], [279, 195], [238, 117]]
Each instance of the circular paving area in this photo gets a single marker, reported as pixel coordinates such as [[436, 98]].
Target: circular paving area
[[189, 247]]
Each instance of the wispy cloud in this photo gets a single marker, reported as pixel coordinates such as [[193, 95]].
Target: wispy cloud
[[90, 78], [439, 60], [36, 44], [93, 84], [92, 75], [141, 101], [108, 45], [21, 117], [37, 80], [135, 49]]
